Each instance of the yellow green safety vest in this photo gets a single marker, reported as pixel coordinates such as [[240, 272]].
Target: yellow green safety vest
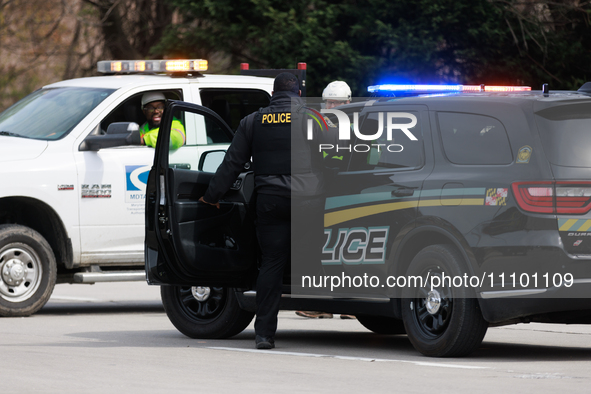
[[177, 135]]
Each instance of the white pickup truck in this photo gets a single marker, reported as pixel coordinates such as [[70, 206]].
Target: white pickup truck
[[73, 175]]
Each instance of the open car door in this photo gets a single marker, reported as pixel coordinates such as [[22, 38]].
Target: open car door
[[190, 243]]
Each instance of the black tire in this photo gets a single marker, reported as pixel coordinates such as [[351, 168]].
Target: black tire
[[382, 325], [217, 316], [28, 271], [453, 325]]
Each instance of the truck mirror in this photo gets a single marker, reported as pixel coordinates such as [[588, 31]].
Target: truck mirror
[[122, 127], [118, 134]]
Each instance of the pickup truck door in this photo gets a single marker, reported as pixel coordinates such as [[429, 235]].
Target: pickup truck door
[[189, 242]]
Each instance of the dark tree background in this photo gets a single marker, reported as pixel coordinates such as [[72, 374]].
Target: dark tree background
[[372, 41], [523, 42]]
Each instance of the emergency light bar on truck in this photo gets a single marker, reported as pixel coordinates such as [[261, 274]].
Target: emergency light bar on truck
[[444, 88], [151, 66]]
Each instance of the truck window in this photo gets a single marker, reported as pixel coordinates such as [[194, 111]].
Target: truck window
[[234, 104], [131, 110]]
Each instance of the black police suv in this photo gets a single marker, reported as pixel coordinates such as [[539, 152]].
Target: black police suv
[[448, 213]]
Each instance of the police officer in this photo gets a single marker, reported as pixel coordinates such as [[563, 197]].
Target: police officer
[[266, 137], [153, 104]]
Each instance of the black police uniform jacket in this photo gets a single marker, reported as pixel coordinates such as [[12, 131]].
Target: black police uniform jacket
[[266, 136]]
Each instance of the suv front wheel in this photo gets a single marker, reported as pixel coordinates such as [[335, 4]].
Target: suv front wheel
[[204, 312], [443, 320]]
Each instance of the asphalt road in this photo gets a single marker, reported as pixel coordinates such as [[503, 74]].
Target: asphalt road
[[116, 338]]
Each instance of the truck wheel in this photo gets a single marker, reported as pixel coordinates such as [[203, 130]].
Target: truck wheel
[[27, 271], [444, 320], [382, 325], [204, 312]]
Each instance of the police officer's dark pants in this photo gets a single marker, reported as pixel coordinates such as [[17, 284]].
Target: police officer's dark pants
[[273, 227]]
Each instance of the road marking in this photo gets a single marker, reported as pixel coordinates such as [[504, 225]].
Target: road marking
[[367, 359], [66, 298]]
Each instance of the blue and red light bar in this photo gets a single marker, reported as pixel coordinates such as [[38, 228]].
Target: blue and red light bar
[[445, 88]]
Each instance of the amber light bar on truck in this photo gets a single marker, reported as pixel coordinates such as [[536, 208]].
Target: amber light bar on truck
[[151, 66], [564, 197]]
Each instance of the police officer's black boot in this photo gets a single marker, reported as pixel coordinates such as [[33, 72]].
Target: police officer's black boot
[[264, 342]]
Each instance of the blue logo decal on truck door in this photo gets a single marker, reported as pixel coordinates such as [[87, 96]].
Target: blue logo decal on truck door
[[136, 178]]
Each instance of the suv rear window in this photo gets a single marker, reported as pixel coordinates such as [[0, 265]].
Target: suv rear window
[[474, 139], [565, 131]]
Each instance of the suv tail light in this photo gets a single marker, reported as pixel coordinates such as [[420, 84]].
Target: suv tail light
[[564, 197]]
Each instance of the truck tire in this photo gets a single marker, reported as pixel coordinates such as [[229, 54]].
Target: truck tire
[[28, 270], [443, 321], [204, 312], [382, 325]]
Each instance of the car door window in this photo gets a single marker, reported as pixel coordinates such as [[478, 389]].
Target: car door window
[[200, 130], [395, 151]]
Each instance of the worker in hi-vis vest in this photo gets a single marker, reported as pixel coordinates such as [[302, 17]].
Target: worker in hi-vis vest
[[153, 104]]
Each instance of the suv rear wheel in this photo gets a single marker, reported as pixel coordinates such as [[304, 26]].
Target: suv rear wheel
[[204, 312], [441, 321], [28, 271]]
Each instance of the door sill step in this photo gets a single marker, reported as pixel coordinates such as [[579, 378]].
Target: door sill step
[[112, 276]]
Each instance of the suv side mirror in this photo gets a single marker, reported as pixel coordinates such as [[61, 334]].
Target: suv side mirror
[[211, 160], [118, 134]]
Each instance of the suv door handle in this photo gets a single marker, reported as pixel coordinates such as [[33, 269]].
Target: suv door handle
[[403, 192]]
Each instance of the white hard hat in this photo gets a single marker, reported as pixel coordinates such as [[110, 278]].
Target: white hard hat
[[337, 90], [152, 96]]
